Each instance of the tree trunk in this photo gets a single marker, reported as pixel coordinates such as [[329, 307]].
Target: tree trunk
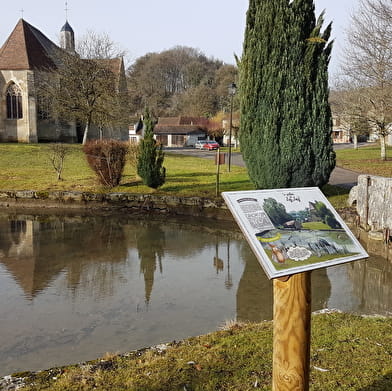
[[86, 129], [355, 140], [383, 148]]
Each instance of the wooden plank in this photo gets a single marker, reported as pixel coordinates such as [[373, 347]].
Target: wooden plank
[[292, 323]]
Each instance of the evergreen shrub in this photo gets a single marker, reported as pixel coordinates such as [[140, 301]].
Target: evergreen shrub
[[150, 160], [286, 121]]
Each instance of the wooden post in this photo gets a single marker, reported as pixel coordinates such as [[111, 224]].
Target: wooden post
[[217, 162], [291, 350], [219, 159]]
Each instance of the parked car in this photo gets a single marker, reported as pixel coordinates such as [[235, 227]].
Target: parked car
[[210, 145], [199, 144]]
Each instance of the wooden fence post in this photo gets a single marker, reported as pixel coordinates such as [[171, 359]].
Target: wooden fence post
[[292, 323]]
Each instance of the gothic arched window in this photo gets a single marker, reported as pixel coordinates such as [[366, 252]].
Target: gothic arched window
[[14, 102]]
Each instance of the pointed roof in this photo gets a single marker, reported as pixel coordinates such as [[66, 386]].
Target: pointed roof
[[67, 27], [27, 48]]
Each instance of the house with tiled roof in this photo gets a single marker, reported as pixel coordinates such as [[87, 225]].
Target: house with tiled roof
[[180, 131], [25, 53]]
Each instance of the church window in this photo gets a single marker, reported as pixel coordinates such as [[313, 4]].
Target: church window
[[14, 102], [43, 108]]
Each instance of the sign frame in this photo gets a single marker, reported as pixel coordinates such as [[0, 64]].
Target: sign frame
[[276, 245]]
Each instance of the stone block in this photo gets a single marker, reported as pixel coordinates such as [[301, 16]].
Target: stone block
[[25, 194], [72, 196]]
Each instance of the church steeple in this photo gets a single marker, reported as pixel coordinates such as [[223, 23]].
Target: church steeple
[[67, 36]]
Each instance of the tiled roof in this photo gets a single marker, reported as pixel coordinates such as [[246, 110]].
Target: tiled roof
[[200, 121], [27, 48], [168, 121], [178, 129]]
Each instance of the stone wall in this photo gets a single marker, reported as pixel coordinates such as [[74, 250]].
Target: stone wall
[[25, 128], [121, 202], [373, 198]]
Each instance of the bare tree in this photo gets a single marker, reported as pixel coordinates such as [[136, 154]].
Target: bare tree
[[348, 110], [86, 89], [56, 154], [95, 45], [367, 65]]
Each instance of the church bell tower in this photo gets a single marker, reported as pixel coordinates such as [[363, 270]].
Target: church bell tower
[[67, 36]]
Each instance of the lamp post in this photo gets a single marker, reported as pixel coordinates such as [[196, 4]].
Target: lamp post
[[232, 91]]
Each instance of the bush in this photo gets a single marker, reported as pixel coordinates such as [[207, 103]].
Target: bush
[[107, 158]]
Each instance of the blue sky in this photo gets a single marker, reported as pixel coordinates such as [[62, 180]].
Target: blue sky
[[216, 27]]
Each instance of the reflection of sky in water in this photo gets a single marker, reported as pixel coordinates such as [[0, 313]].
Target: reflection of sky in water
[[342, 289]]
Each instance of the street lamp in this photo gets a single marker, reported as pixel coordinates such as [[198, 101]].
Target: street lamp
[[232, 91]]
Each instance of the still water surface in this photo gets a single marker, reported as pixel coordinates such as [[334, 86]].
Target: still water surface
[[74, 288]]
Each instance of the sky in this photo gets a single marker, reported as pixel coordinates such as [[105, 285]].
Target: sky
[[215, 27]]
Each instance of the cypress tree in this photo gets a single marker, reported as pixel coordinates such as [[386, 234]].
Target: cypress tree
[[150, 159], [286, 121]]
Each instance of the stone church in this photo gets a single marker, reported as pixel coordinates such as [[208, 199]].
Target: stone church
[[26, 52]]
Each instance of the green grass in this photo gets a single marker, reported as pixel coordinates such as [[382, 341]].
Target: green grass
[[365, 160], [26, 167], [347, 353]]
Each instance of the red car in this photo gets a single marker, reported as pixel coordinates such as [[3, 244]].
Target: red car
[[210, 145]]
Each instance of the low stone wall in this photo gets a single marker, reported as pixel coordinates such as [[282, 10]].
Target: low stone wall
[[373, 198], [121, 202]]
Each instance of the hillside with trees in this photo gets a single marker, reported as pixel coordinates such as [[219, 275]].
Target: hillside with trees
[[180, 81]]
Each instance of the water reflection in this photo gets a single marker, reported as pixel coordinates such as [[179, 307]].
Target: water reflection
[[73, 288], [35, 252], [150, 244]]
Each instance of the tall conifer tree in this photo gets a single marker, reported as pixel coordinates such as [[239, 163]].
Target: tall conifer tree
[[286, 120], [150, 160]]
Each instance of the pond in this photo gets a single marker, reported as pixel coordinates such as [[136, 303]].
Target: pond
[[75, 288]]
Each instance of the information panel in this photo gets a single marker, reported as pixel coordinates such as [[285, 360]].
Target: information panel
[[293, 230]]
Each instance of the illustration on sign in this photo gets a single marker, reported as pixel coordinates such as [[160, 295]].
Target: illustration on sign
[[293, 230]]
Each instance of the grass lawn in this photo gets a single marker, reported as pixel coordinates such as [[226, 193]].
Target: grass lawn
[[347, 353], [365, 160], [27, 167]]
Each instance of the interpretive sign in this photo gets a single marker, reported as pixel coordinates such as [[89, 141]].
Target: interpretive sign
[[293, 230]]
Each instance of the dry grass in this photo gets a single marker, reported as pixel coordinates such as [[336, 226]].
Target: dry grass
[[347, 353]]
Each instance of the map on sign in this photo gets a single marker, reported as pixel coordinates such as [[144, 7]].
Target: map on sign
[[293, 230]]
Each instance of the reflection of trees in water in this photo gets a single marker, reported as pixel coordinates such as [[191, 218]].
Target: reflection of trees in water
[[321, 289], [254, 294], [372, 284], [255, 291], [222, 260], [71, 245], [11, 234], [150, 244]]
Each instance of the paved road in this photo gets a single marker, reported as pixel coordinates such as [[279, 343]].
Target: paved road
[[339, 177]]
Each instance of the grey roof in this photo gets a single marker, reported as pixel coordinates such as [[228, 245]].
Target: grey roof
[[67, 27]]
